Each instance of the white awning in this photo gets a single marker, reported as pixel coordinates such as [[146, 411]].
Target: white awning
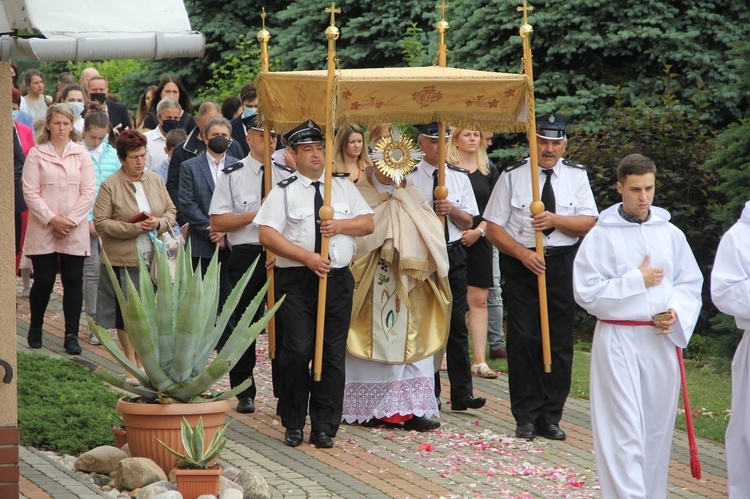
[[79, 30]]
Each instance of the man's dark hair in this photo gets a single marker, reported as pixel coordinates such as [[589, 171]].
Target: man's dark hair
[[174, 137], [635, 164], [248, 92]]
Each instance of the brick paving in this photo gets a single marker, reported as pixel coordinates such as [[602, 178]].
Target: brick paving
[[471, 455]]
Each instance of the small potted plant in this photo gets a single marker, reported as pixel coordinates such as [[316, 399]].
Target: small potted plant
[[194, 471], [118, 429], [174, 329]]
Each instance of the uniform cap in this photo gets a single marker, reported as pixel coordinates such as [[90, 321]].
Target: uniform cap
[[551, 126], [431, 130], [306, 133]]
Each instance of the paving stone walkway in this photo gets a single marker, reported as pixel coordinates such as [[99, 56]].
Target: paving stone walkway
[[472, 455]]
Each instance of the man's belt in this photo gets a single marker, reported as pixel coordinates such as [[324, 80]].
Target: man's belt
[[557, 250], [255, 247], [627, 323]]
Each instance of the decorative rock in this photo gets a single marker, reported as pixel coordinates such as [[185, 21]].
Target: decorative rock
[[101, 459], [170, 494], [207, 496], [253, 484], [230, 472], [126, 449], [225, 483], [231, 494], [136, 472], [155, 489], [123, 495], [100, 480]]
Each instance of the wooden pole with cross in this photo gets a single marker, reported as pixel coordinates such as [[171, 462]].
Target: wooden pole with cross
[[264, 37], [441, 191], [537, 206], [326, 212]]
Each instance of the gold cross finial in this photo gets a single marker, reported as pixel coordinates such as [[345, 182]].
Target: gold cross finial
[[442, 8], [263, 18], [525, 9], [333, 11]]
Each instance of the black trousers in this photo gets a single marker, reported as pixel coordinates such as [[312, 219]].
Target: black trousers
[[457, 348], [241, 258], [298, 314], [535, 396], [45, 272]]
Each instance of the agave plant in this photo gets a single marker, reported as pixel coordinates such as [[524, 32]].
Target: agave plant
[[196, 457], [174, 329]]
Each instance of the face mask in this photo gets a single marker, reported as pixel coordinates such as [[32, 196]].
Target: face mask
[[249, 111], [219, 144], [169, 125], [14, 114], [99, 97], [76, 107]]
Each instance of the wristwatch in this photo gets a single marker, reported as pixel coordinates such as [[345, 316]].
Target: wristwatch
[[482, 232]]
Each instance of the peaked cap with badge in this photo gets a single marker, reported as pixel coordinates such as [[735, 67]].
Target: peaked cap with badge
[[431, 130], [551, 126], [306, 133], [254, 123]]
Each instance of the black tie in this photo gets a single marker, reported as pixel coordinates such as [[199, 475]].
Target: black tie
[[262, 183], [434, 186], [548, 197], [317, 205]]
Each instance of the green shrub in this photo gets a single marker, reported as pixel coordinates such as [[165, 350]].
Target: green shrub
[[62, 406]]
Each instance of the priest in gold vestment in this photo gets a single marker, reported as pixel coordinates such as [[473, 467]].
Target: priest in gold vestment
[[401, 310]]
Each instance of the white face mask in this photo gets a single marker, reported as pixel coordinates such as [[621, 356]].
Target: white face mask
[[249, 111], [76, 107]]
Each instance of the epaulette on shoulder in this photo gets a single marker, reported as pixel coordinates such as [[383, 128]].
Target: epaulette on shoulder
[[233, 167], [283, 167], [340, 175], [458, 169], [570, 163], [514, 165], [287, 181]]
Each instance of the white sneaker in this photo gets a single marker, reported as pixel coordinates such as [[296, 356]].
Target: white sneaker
[[94, 340]]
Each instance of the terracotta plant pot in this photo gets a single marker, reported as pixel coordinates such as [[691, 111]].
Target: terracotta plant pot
[[195, 483], [121, 437], [147, 422]]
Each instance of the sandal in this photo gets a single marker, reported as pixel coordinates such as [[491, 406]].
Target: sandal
[[483, 371], [444, 363]]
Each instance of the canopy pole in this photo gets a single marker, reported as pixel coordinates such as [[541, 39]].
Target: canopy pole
[[537, 206], [326, 212], [264, 37], [441, 192]]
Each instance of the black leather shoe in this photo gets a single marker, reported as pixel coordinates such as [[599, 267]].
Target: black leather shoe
[[293, 438], [245, 406], [525, 430], [71, 344], [371, 423], [321, 440], [498, 353], [34, 338], [421, 423], [551, 432], [468, 403]]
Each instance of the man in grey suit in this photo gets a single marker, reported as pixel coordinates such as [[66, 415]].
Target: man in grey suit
[[196, 188]]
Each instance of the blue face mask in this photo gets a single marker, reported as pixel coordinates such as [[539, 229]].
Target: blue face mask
[[249, 111], [14, 114], [76, 107]]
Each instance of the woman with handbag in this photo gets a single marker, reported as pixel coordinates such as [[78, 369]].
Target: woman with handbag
[[132, 207]]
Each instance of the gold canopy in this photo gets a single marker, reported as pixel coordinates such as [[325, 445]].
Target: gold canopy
[[479, 100]]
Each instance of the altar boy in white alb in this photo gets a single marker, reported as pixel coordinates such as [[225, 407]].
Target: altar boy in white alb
[[730, 291], [633, 265]]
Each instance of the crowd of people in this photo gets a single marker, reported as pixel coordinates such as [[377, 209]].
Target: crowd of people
[[406, 290]]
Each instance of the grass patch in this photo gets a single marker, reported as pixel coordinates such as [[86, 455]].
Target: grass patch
[[62, 406], [710, 385]]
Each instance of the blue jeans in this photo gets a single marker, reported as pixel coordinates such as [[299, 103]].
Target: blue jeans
[[495, 335]]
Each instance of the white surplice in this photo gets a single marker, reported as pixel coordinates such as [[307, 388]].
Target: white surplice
[[730, 291], [635, 379]]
